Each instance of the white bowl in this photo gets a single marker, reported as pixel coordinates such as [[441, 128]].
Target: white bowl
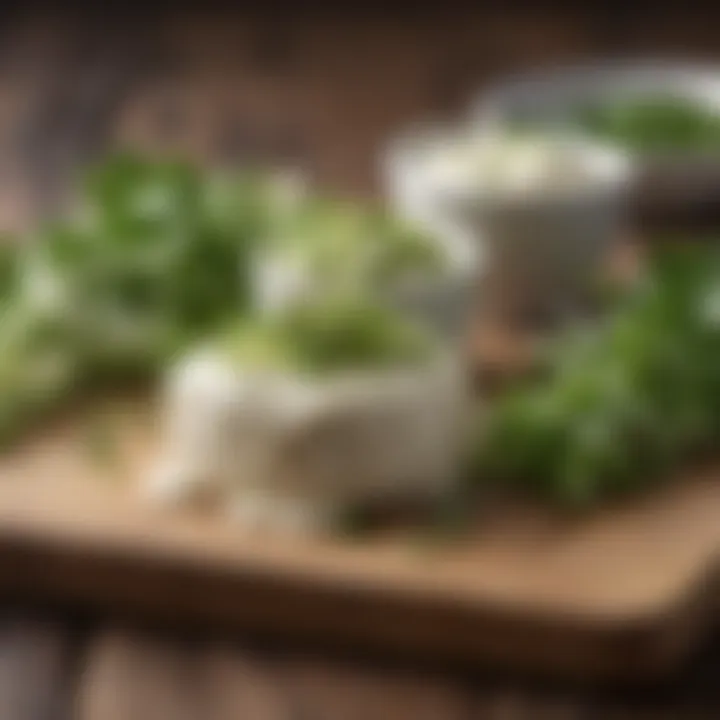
[[544, 243], [551, 94], [415, 195], [546, 257], [673, 187], [449, 301]]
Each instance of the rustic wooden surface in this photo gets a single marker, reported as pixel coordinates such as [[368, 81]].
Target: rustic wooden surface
[[524, 588], [54, 666], [326, 91]]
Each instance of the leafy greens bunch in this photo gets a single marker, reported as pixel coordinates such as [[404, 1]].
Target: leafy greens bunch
[[316, 339], [344, 247], [156, 257], [625, 401], [161, 256], [654, 124]]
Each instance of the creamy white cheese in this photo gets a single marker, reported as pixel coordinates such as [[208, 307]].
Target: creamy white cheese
[[500, 165], [287, 453]]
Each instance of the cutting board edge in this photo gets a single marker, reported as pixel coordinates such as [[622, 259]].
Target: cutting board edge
[[635, 647]]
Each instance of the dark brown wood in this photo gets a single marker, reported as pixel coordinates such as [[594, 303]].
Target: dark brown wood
[[37, 664], [242, 681], [324, 692], [129, 672], [326, 92], [134, 676]]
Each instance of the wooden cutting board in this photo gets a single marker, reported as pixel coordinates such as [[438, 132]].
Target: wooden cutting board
[[623, 593]]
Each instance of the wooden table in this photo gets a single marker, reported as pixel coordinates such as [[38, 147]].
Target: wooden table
[[55, 665], [324, 91]]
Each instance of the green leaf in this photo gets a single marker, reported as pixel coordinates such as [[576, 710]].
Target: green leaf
[[624, 400]]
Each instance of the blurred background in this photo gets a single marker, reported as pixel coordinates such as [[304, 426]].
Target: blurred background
[[324, 87], [285, 84]]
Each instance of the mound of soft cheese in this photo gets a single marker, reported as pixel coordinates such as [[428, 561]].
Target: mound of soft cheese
[[288, 427]]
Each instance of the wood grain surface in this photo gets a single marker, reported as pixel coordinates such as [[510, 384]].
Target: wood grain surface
[[55, 669], [582, 596]]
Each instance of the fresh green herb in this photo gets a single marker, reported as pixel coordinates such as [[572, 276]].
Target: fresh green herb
[[654, 124], [625, 401], [9, 269], [161, 257], [321, 338], [151, 264], [347, 248]]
